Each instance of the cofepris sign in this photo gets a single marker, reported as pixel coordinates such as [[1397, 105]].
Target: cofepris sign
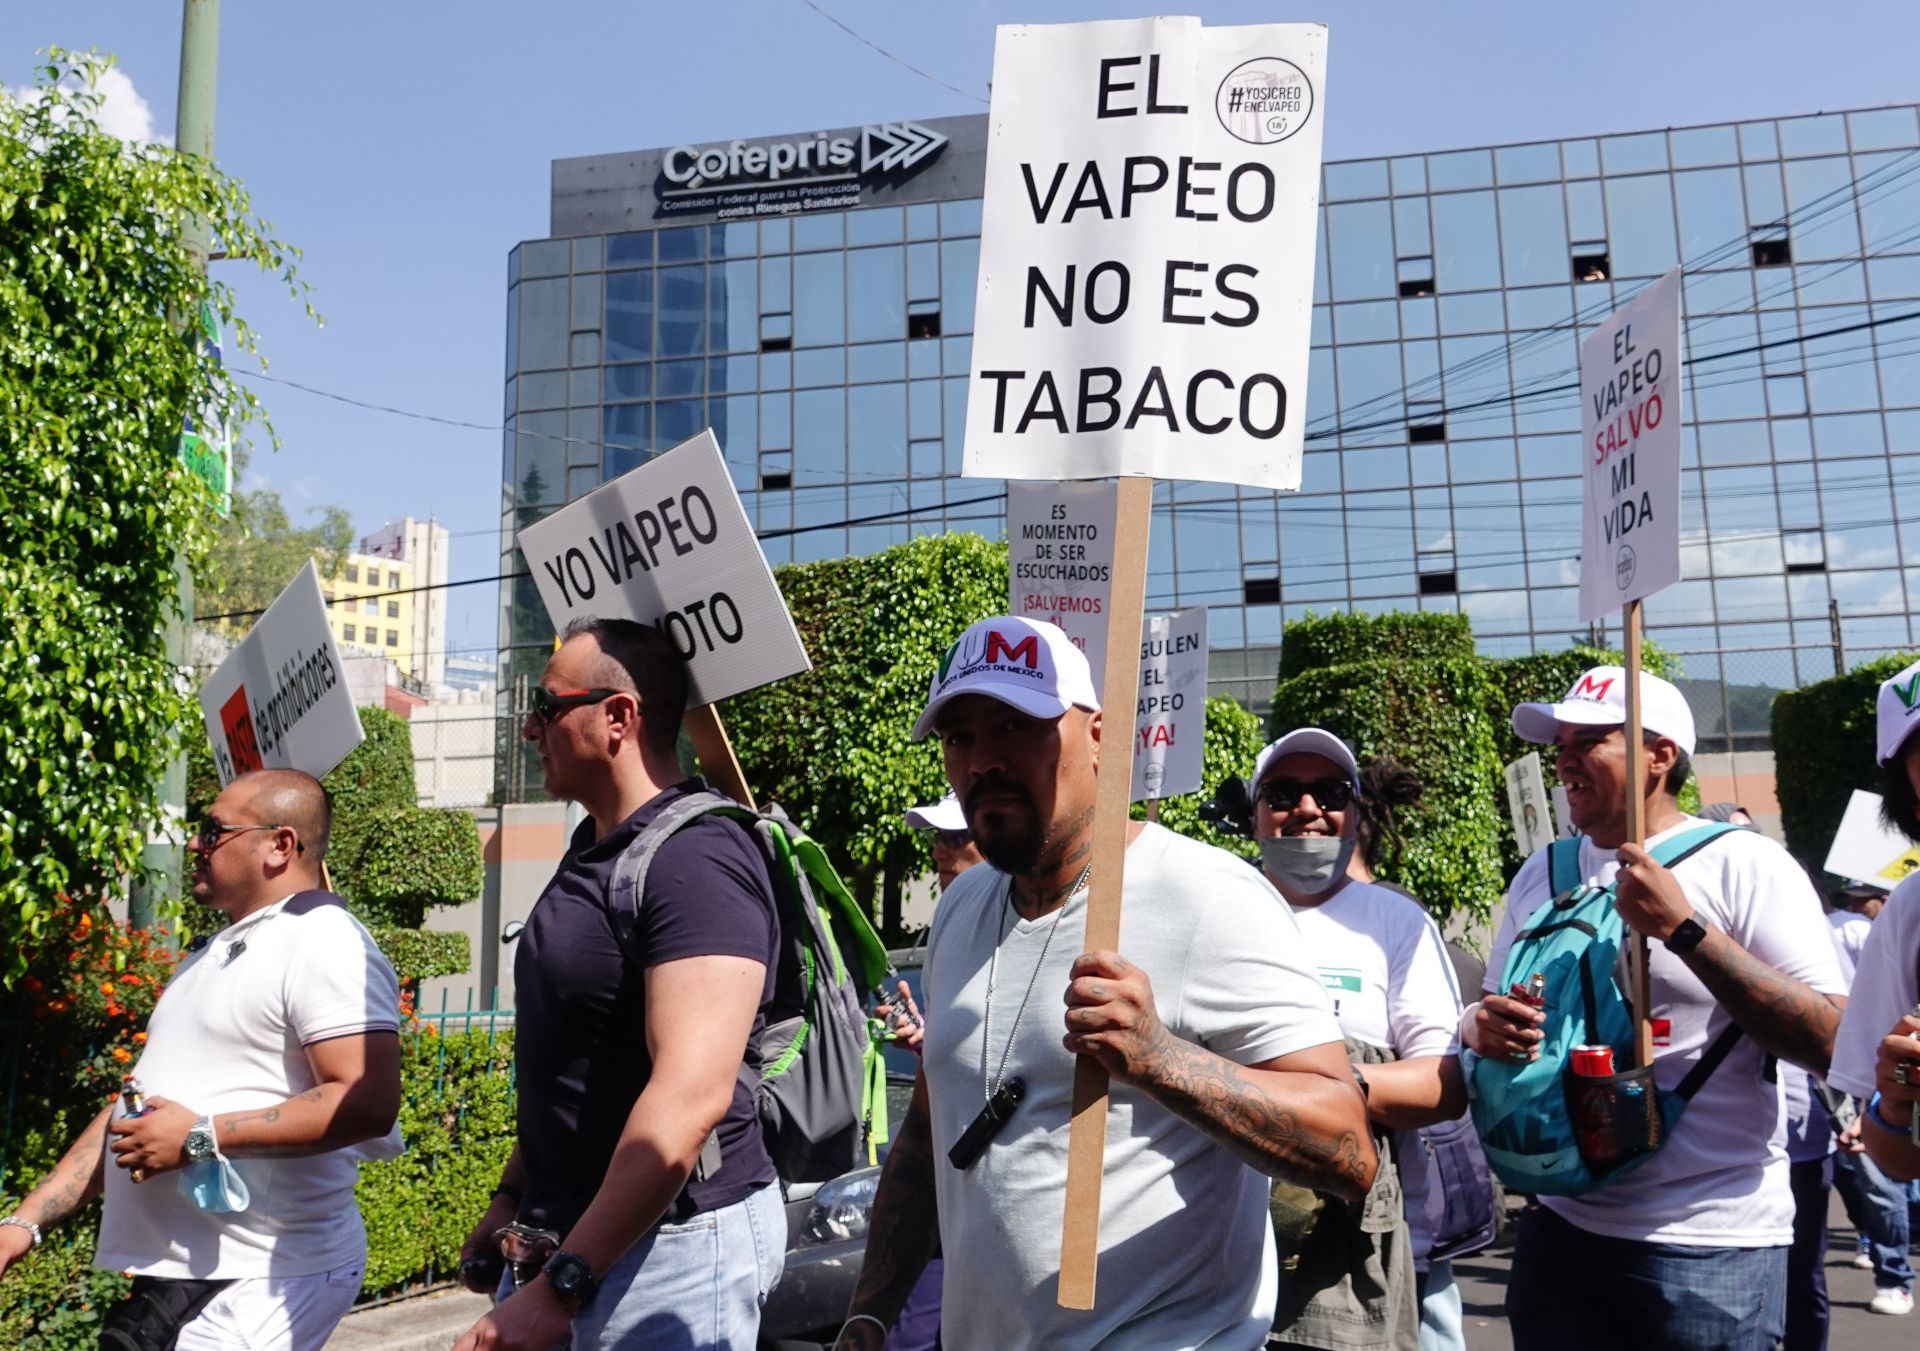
[[1630, 434], [1146, 265], [668, 544], [280, 700]]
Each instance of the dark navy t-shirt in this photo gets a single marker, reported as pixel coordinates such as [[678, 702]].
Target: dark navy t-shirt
[[581, 1040]]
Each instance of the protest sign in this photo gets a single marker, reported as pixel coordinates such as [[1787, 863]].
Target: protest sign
[[1527, 800], [280, 699], [1146, 255], [1060, 558], [1866, 849], [668, 544], [1563, 825], [1630, 452], [1170, 719]]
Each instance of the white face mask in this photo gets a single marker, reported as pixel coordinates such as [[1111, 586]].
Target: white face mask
[[1307, 864]]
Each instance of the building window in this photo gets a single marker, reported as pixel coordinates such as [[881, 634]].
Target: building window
[[1261, 590], [393, 581], [371, 606], [1806, 550], [393, 638], [393, 609], [353, 572], [923, 321], [1439, 583], [346, 633], [1426, 420], [1591, 261], [776, 471], [776, 332], [1416, 276], [1771, 247]]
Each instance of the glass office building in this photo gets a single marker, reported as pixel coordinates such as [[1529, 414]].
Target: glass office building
[[811, 298]]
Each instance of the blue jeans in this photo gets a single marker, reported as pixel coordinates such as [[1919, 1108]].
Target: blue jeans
[[1570, 1290], [696, 1286], [1807, 1305], [1442, 1320], [1877, 1205]]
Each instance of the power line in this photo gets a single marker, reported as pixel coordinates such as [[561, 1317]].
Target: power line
[[898, 61]]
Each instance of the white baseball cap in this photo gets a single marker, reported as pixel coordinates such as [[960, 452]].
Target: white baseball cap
[[946, 814], [1310, 741], [1899, 711], [1599, 699], [1027, 663]]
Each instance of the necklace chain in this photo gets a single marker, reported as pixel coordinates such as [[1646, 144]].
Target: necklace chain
[[989, 1087]]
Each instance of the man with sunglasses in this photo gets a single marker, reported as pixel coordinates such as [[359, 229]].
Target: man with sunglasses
[[639, 1143], [271, 1068]]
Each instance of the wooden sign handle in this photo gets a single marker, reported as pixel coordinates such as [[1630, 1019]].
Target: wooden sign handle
[[715, 749], [1639, 964], [1119, 694]]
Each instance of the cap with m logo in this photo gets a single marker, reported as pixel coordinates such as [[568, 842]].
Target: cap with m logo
[[1898, 712], [1599, 699], [1027, 663]]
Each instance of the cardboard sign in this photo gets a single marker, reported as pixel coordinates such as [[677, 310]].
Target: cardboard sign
[[1527, 800], [668, 544], [1563, 827], [280, 699], [1866, 849], [1170, 730], [1146, 254], [1630, 452], [1060, 558]]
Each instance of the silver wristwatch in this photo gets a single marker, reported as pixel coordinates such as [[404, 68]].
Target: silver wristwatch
[[200, 1142], [33, 1230]]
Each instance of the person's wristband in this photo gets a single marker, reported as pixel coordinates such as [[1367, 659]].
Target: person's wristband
[[33, 1230], [1873, 1114], [853, 1318]]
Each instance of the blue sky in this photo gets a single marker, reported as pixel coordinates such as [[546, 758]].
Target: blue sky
[[405, 148]]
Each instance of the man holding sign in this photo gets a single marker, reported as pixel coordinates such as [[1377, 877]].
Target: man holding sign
[[1226, 1060], [1689, 1249]]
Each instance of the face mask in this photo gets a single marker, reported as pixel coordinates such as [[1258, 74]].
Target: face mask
[[1307, 864], [216, 1186]]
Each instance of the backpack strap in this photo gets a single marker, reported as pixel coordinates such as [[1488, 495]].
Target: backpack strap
[[629, 889], [1703, 1068], [1671, 851]]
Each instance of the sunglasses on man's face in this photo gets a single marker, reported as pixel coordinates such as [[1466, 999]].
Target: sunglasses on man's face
[[547, 705], [210, 835], [1330, 795], [953, 839]]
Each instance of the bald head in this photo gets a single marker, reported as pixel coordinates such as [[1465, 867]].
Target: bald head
[[288, 797]]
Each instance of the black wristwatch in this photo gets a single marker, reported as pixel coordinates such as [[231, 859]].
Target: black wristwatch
[[1685, 937], [571, 1279]]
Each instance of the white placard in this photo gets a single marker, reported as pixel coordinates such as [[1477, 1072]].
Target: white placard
[[1171, 728], [1563, 825], [1527, 800], [668, 544], [1060, 558], [280, 699], [1630, 452], [1146, 253], [1866, 850]]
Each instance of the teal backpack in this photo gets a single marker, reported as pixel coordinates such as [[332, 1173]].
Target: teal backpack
[[1522, 1111], [815, 1070]]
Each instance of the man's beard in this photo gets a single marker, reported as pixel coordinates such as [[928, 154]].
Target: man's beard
[[1011, 850]]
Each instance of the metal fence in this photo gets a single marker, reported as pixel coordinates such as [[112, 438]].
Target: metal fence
[[454, 753]]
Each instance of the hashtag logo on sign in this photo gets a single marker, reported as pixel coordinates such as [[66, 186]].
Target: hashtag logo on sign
[[1234, 99]]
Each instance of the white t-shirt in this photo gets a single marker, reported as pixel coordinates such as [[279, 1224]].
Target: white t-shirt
[[1186, 1248], [1386, 969], [1721, 1181], [229, 1035], [1849, 937], [1884, 990]]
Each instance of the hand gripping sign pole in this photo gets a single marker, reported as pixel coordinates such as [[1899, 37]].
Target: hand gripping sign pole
[[1144, 307], [1630, 424], [667, 544]]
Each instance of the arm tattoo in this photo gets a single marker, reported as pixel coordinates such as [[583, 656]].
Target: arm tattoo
[[903, 1233], [74, 1181], [1239, 1108], [1785, 1017]]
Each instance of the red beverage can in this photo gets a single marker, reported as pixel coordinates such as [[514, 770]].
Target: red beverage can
[[1592, 1062], [1532, 993]]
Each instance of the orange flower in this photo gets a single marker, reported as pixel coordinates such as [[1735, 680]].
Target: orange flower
[[107, 990], [131, 979], [86, 921], [140, 1038], [122, 1054]]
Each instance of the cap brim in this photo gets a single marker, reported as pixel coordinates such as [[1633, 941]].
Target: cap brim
[[1031, 702], [946, 814], [1309, 741], [1539, 723]]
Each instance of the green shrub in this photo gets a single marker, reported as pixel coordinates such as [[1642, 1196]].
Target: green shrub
[[412, 858], [1344, 639], [422, 954], [1233, 740], [1823, 749]]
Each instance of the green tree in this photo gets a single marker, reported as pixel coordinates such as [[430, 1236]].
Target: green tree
[[258, 549], [96, 379]]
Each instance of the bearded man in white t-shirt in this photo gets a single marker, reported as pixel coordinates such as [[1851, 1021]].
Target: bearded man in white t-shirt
[[1226, 1063], [272, 1067], [1690, 1248]]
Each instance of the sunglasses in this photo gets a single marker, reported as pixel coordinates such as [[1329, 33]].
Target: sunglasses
[[1330, 795], [953, 839], [210, 835], [548, 705]]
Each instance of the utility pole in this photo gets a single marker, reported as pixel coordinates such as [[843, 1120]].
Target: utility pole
[[193, 135]]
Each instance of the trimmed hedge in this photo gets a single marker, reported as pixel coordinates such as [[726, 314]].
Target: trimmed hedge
[[421, 954], [1233, 740], [412, 858], [1823, 749], [1346, 639]]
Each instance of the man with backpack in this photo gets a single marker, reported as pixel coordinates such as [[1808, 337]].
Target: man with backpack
[[1685, 1245], [639, 1145]]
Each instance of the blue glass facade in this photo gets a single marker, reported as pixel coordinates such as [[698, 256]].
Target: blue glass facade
[[829, 351]]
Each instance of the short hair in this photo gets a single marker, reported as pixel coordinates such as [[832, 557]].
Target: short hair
[[1682, 766], [1385, 785], [288, 797], [1898, 805], [644, 662]]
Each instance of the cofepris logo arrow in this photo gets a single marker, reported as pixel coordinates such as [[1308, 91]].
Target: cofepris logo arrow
[[895, 146]]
